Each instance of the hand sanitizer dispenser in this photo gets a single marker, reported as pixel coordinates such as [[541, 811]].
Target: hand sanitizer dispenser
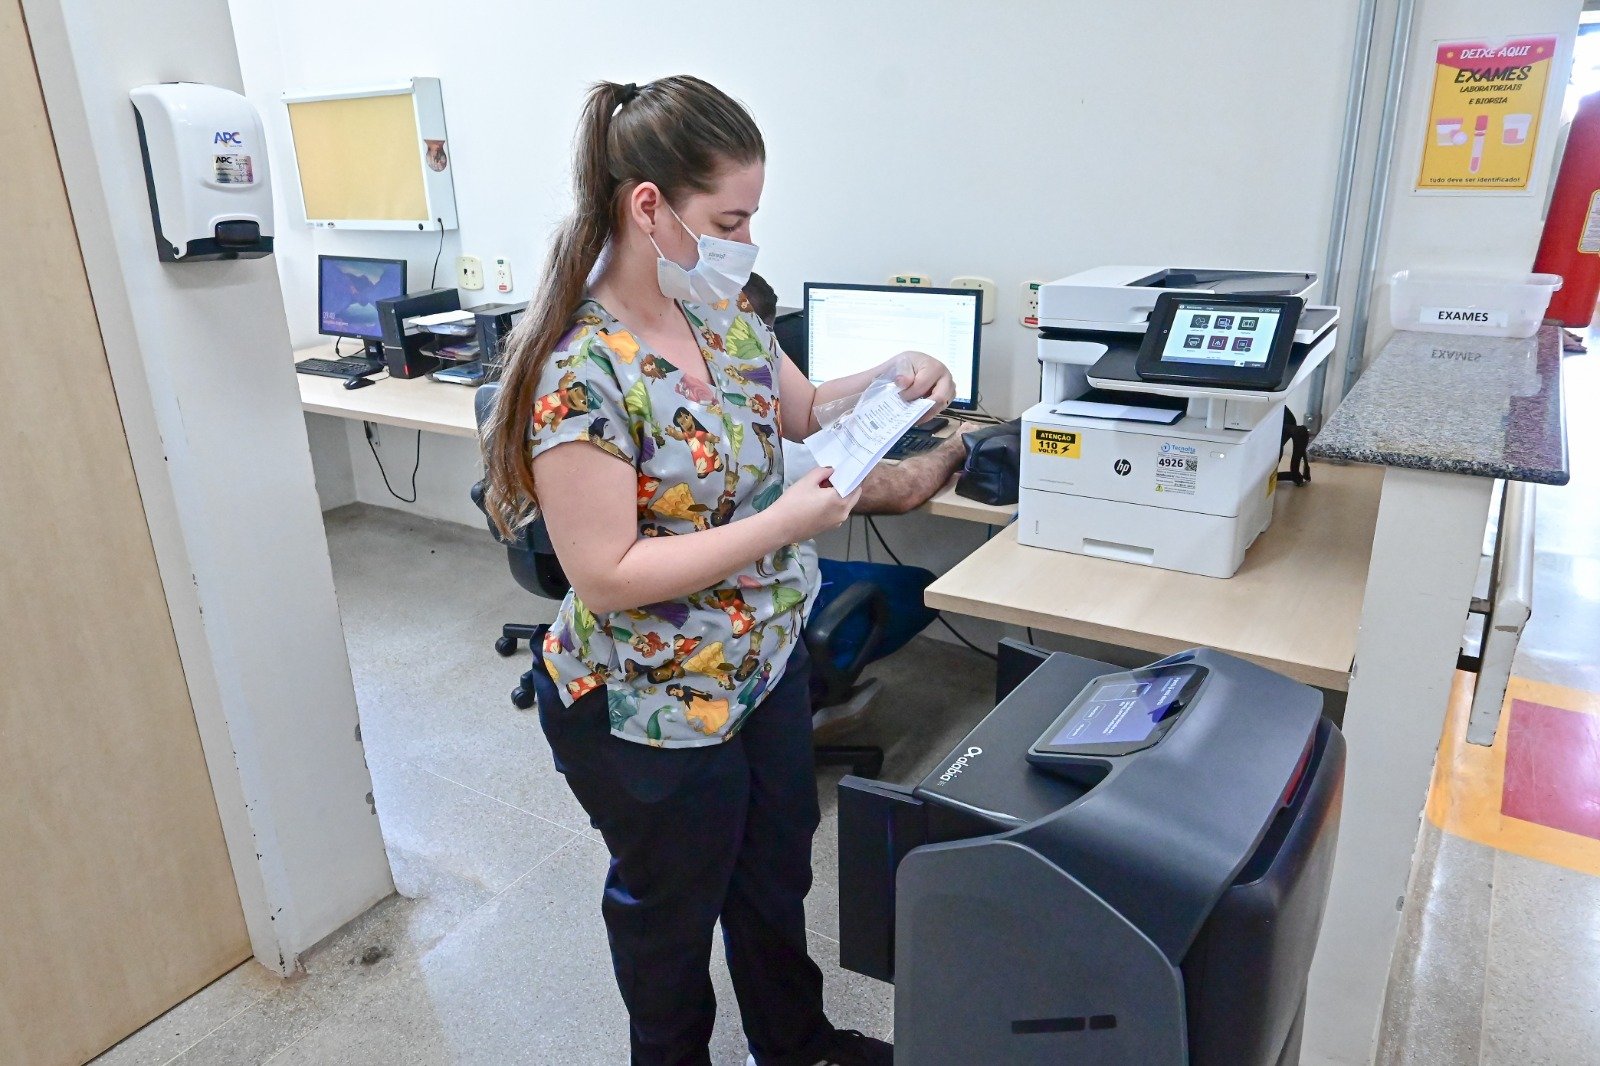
[[205, 166]]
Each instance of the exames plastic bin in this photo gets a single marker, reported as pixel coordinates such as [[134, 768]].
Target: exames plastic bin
[[1485, 305]]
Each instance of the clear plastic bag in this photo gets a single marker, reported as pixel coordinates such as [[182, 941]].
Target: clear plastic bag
[[832, 415], [857, 431]]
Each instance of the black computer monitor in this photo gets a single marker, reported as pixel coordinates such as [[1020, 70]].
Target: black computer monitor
[[850, 328], [348, 291]]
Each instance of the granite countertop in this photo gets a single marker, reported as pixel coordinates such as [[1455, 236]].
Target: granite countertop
[[1480, 406]]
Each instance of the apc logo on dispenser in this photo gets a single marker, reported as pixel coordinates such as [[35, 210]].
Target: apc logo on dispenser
[[230, 137], [1122, 467]]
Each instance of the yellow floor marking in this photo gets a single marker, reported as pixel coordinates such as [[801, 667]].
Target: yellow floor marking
[[1468, 780]]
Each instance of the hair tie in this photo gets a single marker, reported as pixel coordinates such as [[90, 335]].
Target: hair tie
[[629, 91]]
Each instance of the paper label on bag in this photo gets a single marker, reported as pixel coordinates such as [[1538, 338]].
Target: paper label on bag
[[855, 444]]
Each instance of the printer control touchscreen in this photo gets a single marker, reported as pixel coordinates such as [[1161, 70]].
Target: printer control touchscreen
[[1230, 334], [1237, 342], [1121, 713]]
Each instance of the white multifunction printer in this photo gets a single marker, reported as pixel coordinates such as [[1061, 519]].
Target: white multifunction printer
[[1157, 434]]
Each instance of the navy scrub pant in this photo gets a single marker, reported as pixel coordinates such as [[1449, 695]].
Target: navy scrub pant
[[697, 835]]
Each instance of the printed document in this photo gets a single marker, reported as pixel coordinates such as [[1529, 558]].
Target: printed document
[[855, 443]]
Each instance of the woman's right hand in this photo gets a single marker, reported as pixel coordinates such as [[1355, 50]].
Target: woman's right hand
[[810, 506]]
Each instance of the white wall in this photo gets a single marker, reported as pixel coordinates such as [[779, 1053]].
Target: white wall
[[1012, 141], [198, 357], [1017, 143]]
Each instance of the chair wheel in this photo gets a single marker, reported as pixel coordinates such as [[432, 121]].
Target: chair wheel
[[506, 646], [522, 697]]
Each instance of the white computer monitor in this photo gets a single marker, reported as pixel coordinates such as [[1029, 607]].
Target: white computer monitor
[[850, 328]]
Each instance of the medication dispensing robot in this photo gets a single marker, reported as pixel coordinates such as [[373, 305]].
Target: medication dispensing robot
[[1124, 868], [1158, 431]]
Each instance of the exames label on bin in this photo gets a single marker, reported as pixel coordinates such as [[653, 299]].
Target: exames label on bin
[[1061, 443]]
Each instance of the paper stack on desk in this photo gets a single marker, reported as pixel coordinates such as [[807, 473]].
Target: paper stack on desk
[[445, 323], [855, 444]]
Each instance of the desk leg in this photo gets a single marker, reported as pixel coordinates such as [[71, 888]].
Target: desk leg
[[1424, 561]]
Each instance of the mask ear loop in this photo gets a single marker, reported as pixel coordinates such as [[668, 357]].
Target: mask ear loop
[[682, 223], [679, 221], [663, 255], [652, 237]]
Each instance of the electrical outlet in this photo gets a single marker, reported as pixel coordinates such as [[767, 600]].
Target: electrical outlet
[[911, 280], [502, 274], [986, 287], [1030, 303], [469, 272]]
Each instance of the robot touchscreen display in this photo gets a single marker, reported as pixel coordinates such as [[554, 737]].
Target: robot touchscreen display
[[1124, 711]]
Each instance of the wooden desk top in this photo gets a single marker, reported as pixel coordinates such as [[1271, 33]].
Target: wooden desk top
[[1293, 606], [417, 403], [947, 504], [435, 407]]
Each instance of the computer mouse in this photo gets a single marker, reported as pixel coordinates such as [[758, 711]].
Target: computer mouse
[[357, 383]]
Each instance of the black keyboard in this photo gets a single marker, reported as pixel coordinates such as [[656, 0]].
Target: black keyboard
[[915, 442], [338, 368]]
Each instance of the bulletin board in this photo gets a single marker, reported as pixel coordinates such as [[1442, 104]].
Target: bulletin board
[[359, 158], [376, 158]]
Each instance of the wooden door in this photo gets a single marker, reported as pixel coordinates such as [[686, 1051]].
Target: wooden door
[[116, 896]]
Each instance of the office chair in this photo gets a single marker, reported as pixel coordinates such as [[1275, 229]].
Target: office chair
[[841, 637]]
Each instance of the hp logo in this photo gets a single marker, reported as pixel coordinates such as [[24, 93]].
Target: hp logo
[[1123, 467]]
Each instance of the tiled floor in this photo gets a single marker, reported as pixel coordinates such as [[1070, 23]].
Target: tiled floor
[[1500, 955], [494, 952]]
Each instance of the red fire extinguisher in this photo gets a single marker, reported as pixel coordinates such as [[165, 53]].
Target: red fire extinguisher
[[1570, 245]]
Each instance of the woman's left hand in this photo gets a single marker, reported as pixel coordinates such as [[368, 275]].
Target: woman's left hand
[[928, 377]]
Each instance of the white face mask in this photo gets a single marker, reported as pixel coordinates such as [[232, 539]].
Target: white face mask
[[723, 269]]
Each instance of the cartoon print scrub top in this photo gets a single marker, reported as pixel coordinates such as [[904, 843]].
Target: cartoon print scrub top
[[685, 672]]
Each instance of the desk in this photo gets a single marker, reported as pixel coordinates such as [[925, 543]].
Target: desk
[[435, 407], [415, 403], [1293, 606], [947, 504]]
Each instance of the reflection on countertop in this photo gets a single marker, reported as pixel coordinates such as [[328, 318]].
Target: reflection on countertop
[[1480, 406]]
